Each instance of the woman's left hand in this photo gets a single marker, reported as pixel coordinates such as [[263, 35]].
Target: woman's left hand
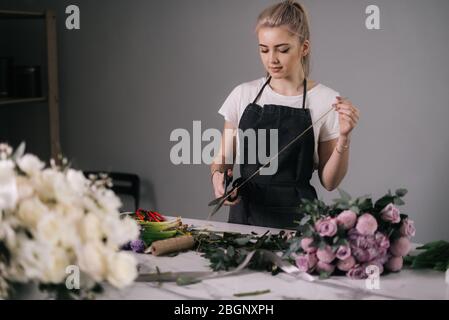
[[348, 115]]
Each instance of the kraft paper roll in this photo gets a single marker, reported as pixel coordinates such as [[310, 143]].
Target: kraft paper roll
[[161, 247]]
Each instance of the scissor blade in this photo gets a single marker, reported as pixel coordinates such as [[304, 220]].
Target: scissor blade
[[216, 201], [217, 207]]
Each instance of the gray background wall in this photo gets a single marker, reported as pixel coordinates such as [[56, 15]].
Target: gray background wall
[[139, 69]]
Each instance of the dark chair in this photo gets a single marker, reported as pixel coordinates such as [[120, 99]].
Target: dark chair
[[123, 184]]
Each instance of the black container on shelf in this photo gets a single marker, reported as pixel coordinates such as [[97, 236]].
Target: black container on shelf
[[6, 76], [27, 81]]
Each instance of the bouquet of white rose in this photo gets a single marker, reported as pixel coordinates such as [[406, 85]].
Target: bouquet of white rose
[[52, 218]]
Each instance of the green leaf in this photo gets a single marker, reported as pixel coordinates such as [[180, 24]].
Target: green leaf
[[241, 241], [344, 195], [398, 201], [401, 192], [355, 209], [304, 220], [325, 275]]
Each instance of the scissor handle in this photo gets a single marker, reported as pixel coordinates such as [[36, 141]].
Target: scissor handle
[[235, 184]]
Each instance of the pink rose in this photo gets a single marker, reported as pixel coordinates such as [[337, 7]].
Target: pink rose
[[401, 247], [343, 252], [306, 262], [382, 240], [347, 219], [326, 255], [391, 214], [366, 224], [357, 272], [306, 245], [394, 264], [347, 264], [407, 228], [326, 227], [325, 267]]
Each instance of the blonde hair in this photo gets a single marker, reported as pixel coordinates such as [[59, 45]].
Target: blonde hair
[[292, 15]]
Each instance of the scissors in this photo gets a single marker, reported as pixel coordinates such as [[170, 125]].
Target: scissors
[[218, 202], [238, 183]]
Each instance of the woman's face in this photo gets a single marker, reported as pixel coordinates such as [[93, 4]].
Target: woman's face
[[281, 52]]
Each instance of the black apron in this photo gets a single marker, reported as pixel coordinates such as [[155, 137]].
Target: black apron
[[273, 200]]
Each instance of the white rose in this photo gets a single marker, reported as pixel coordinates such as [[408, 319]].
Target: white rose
[[30, 164], [107, 200], [8, 186], [77, 181], [57, 230], [52, 186], [55, 267], [119, 231], [24, 187], [8, 234], [90, 228], [122, 269], [92, 260], [31, 211], [31, 257]]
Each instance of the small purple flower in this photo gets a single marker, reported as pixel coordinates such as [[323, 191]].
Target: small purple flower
[[391, 214], [407, 228], [137, 246], [326, 227], [343, 252]]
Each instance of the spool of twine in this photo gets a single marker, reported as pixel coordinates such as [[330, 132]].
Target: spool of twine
[[176, 244]]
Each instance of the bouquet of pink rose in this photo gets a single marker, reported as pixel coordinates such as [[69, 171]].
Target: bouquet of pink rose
[[351, 235]]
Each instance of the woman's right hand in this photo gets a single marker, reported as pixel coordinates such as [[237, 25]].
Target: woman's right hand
[[218, 185]]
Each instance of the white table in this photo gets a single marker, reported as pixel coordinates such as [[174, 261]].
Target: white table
[[408, 284]]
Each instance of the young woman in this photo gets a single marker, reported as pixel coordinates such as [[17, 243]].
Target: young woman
[[286, 100]]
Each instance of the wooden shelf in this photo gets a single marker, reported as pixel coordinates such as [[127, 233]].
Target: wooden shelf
[[51, 97], [7, 101], [9, 14]]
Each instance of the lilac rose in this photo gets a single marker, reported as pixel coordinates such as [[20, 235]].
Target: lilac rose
[[394, 264], [326, 227], [400, 247], [325, 267], [347, 219], [366, 224], [347, 264], [306, 245], [325, 255], [391, 214], [382, 240], [306, 262], [343, 252], [357, 272], [407, 228]]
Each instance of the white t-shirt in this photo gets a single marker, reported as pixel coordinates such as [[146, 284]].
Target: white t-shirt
[[319, 100]]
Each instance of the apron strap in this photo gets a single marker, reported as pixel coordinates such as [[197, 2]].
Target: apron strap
[[303, 95], [260, 91]]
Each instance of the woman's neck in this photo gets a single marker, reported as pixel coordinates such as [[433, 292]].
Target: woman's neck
[[290, 86]]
